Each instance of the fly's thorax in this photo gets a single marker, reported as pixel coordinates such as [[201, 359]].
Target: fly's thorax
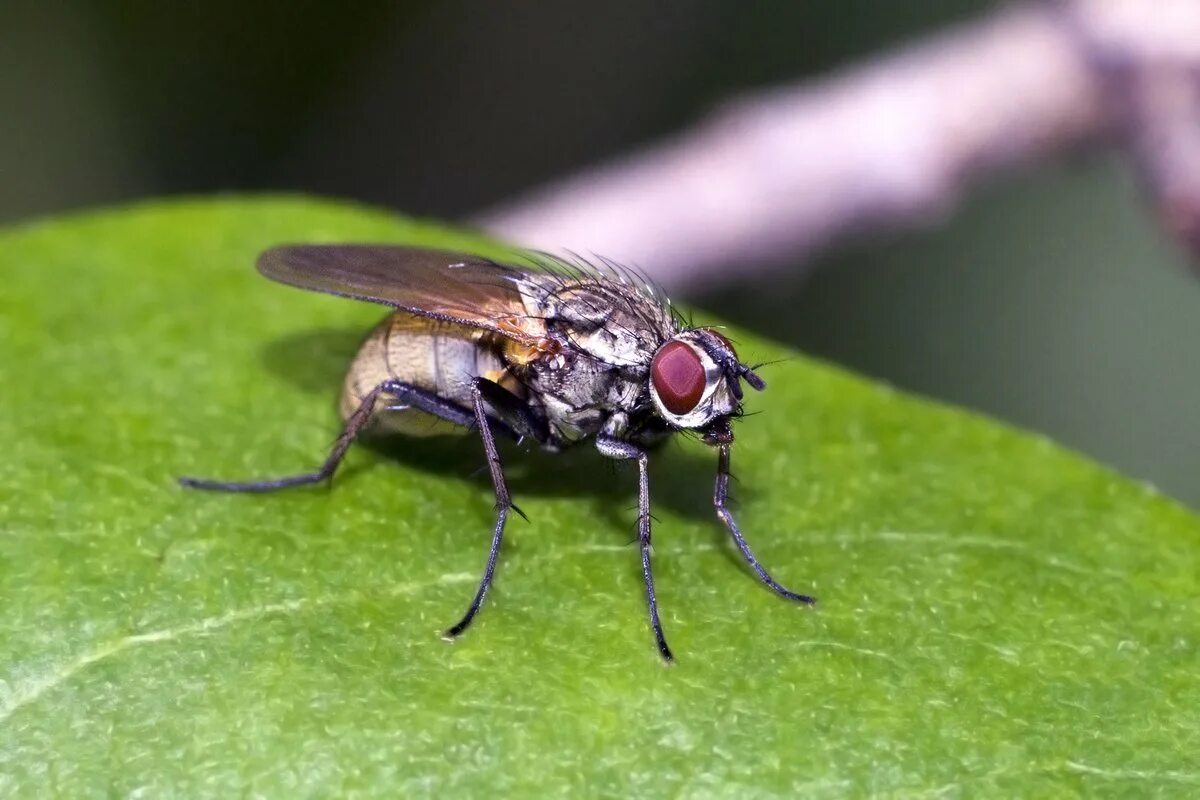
[[577, 392], [600, 339], [613, 323]]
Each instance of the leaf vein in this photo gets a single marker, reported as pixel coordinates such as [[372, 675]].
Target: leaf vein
[[37, 687]]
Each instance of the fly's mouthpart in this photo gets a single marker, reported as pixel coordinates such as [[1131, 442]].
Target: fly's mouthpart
[[720, 432]]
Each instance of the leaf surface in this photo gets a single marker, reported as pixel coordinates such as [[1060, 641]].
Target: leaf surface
[[998, 616]]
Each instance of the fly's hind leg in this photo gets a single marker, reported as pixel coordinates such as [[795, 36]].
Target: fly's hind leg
[[407, 395], [404, 393]]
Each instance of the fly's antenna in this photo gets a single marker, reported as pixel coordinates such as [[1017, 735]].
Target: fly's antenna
[[751, 377], [747, 374]]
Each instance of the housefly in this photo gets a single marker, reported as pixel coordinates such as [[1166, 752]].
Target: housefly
[[557, 353]]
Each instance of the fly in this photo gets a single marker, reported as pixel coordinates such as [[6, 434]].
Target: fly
[[556, 354]]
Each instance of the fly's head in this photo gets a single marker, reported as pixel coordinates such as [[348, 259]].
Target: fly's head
[[695, 383]]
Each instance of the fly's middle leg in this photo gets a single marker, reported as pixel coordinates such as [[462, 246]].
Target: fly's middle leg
[[503, 505], [616, 448]]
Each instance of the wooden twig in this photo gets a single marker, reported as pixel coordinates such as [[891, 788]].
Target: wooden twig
[[770, 178]]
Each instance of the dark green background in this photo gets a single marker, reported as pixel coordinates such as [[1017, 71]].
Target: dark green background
[[1050, 299]]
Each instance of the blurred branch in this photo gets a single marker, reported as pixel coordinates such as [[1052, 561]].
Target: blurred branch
[[1150, 65], [772, 177]]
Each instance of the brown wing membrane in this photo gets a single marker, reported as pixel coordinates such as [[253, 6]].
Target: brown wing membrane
[[438, 284]]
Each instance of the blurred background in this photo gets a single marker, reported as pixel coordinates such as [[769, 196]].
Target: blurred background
[[1050, 299]]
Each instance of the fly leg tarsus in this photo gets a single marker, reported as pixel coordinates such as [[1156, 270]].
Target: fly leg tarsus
[[503, 504], [720, 498], [616, 448]]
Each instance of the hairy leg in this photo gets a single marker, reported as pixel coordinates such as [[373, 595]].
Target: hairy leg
[[720, 497]]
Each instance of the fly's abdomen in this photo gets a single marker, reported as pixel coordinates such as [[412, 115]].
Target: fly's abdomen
[[438, 357]]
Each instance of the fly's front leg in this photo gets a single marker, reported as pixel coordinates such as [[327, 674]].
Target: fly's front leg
[[615, 448], [720, 497], [403, 393], [503, 504]]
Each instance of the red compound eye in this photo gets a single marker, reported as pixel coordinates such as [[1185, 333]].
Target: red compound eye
[[678, 377]]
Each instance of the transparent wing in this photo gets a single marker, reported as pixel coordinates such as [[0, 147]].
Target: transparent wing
[[438, 284]]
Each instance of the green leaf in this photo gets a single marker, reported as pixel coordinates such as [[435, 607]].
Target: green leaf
[[998, 616]]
